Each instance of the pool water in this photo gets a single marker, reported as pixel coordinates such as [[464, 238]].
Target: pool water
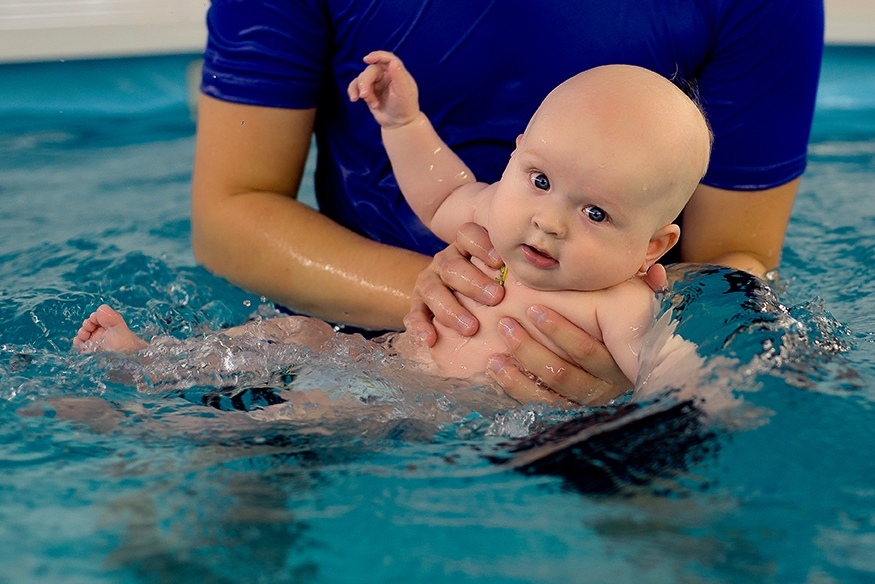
[[102, 481]]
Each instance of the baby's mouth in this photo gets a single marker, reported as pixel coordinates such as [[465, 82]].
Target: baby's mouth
[[538, 258]]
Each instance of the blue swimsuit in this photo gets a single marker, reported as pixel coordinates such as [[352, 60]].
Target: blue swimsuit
[[483, 67]]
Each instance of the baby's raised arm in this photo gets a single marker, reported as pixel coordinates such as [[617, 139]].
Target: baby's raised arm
[[426, 169]]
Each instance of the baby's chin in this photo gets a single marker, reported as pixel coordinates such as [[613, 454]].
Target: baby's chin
[[551, 281], [541, 280]]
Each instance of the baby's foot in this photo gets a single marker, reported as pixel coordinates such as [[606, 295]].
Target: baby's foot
[[106, 330]]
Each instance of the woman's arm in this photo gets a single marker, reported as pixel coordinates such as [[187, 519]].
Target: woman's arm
[[738, 229], [248, 226]]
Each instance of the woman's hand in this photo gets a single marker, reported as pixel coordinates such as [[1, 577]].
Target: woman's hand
[[532, 372], [451, 269]]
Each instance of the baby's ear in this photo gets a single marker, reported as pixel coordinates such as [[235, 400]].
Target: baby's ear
[[662, 241]]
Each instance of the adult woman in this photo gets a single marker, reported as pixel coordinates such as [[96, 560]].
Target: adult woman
[[276, 71]]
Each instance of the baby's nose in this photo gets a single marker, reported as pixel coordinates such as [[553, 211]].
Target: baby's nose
[[550, 221]]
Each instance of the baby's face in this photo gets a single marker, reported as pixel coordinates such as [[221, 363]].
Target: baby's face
[[571, 218], [608, 160]]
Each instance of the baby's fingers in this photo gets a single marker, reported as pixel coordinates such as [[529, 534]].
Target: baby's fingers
[[352, 90], [520, 386], [362, 87], [384, 57]]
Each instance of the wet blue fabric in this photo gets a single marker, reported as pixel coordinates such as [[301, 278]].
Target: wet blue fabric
[[483, 66]]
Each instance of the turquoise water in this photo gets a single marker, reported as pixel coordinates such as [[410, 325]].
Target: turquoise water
[[102, 482]]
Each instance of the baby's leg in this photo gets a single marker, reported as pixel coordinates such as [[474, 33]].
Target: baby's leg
[[298, 330], [106, 330]]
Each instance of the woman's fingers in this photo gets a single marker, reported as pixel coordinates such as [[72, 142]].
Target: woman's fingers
[[473, 240], [432, 290], [588, 376], [418, 323], [583, 349], [458, 273], [451, 272], [656, 278], [520, 386]]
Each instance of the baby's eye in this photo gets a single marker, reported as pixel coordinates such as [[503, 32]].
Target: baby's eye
[[541, 181], [595, 214]]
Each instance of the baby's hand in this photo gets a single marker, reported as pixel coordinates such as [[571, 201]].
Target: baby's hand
[[388, 89]]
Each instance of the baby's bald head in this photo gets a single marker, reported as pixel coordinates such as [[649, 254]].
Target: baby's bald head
[[634, 122]]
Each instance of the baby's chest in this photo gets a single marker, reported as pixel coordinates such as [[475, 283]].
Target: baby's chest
[[578, 307]]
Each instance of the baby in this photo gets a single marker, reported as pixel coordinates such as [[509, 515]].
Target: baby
[[585, 206]]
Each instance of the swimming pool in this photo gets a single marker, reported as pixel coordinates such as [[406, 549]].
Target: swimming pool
[[104, 483]]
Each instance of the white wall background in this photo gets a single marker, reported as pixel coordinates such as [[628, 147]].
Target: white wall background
[[850, 22], [57, 29]]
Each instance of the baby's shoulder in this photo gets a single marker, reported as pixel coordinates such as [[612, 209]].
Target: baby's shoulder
[[632, 288], [630, 301]]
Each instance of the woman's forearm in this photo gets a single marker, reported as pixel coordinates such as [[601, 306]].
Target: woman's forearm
[[297, 257], [247, 225], [738, 229]]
